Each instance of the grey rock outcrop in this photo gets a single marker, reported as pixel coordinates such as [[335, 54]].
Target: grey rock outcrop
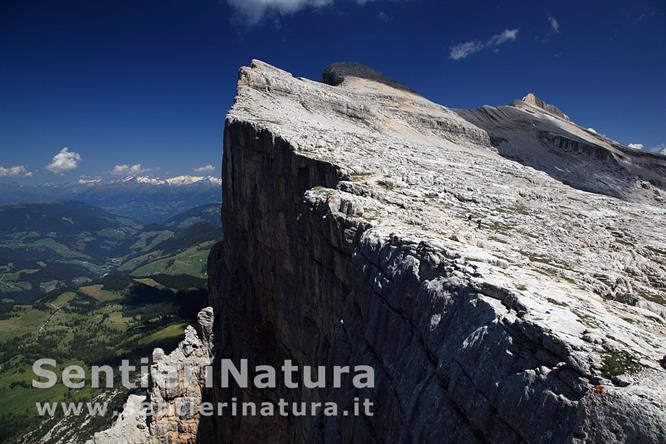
[[540, 136], [364, 224], [177, 381], [174, 393], [533, 100], [131, 426]]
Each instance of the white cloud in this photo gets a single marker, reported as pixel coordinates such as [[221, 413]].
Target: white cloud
[[18, 170], [465, 49], [508, 35], [205, 169], [125, 169], [659, 149], [252, 11], [554, 24], [462, 50], [636, 146], [64, 161]]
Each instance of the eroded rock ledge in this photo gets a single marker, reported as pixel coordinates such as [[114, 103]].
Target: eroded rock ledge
[[175, 386], [364, 224]]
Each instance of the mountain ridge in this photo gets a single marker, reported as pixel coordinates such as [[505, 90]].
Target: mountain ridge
[[532, 100], [56, 244], [146, 199], [409, 240], [495, 301]]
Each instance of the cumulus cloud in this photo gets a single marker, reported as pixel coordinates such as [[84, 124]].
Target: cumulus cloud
[[656, 149], [205, 169], [554, 25], [18, 170], [252, 11], [466, 49], [125, 169], [64, 161]]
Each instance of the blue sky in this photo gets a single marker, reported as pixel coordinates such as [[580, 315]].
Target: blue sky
[[122, 83]]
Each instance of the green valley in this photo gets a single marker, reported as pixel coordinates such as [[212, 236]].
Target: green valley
[[80, 285], [46, 246]]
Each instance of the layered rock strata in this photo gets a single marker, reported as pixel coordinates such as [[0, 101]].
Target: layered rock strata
[[364, 224], [177, 381], [169, 412]]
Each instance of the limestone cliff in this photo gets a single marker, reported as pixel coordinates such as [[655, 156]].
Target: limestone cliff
[[533, 100], [364, 224], [168, 412]]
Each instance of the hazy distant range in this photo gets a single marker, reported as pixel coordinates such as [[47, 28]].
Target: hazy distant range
[[144, 199]]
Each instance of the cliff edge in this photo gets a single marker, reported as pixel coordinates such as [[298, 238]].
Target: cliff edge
[[364, 224]]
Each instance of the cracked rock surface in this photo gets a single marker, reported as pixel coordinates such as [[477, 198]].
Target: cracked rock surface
[[502, 269], [174, 393]]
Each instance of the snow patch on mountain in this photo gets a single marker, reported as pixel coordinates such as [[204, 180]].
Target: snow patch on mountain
[[173, 181]]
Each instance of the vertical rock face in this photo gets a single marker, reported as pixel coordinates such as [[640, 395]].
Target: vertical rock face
[[365, 225], [274, 299]]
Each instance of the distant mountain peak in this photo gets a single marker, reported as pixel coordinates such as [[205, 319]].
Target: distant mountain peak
[[175, 181], [144, 198], [186, 180], [532, 100], [86, 181]]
